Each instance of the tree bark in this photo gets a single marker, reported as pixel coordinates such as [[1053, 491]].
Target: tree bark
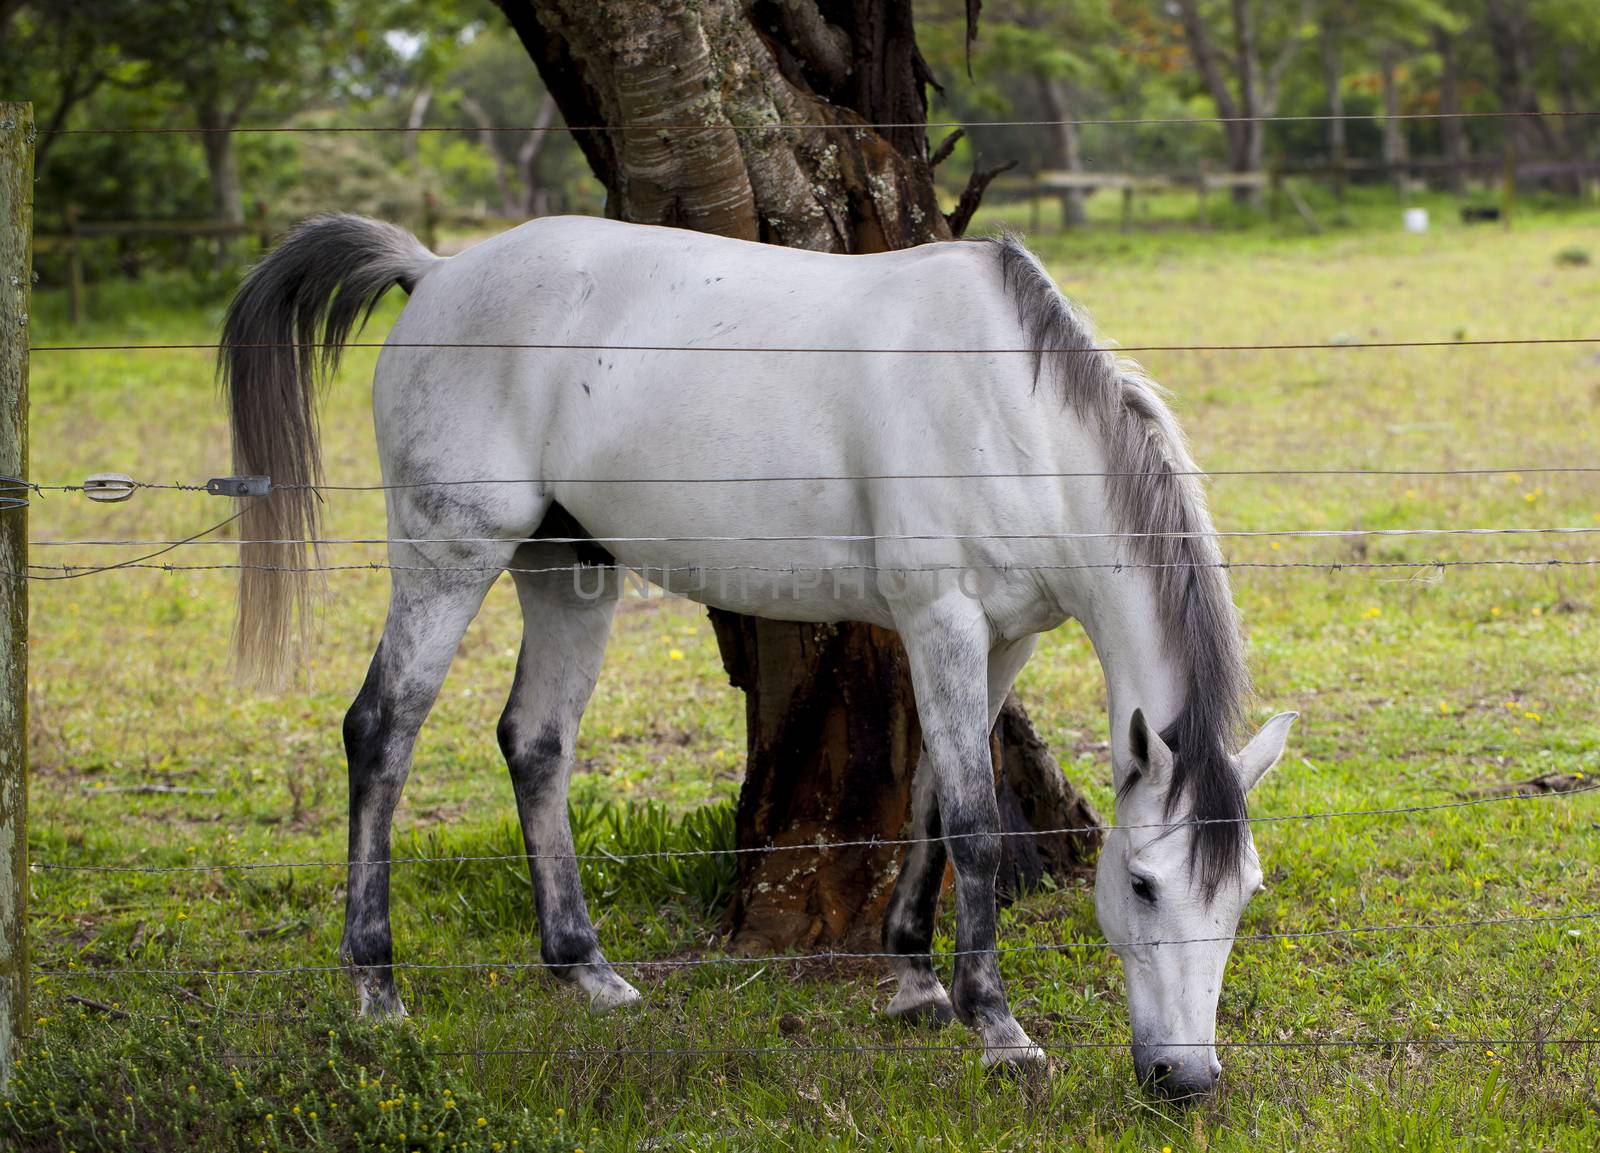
[[832, 729], [1066, 153]]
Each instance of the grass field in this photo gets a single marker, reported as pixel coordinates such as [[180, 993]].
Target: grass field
[[1416, 685]]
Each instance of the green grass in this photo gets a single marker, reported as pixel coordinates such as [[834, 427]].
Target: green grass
[[1414, 687]]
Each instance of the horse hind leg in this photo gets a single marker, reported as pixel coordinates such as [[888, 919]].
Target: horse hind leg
[[563, 643], [429, 611], [919, 997], [908, 926]]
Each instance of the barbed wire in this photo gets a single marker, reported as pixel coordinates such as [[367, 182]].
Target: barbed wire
[[933, 1049], [792, 478], [1102, 122], [650, 572], [813, 846], [839, 538], [818, 350], [831, 955]]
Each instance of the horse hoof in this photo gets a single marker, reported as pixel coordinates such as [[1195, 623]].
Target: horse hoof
[[1027, 1061], [612, 995], [1007, 1048], [932, 1013], [382, 1008], [376, 999]]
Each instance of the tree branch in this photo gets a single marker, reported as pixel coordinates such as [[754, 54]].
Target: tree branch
[[946, 147], [823, 49], [974, 8], [1280, 66], [1205, 59], [972, 196], [418, 113]]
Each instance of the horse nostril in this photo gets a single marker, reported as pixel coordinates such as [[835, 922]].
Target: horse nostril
[[1160, 1071]]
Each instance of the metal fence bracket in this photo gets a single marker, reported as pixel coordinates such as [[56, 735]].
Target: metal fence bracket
[[239, 485]]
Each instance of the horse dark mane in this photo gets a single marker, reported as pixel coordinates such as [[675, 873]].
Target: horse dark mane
[[1152, 490]]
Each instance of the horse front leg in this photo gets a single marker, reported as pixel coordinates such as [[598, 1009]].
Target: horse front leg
[[428, 614], [563, 644], [948, 646]]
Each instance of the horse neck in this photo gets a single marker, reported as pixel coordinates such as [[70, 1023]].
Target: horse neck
[[1124, 621]]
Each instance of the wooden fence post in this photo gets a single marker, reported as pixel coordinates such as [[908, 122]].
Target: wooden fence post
[[16, 281]]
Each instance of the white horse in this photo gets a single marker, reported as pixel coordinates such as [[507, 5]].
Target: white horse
[[579, 391]]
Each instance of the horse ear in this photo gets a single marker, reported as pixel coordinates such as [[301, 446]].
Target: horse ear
[[1152, 760], [1264, 749]]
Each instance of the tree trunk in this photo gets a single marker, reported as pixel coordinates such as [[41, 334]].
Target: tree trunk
[[414, 122], [535, 196], [1248, 157], [222, 167], [1333, 87], [1243, 135], [1066, 152], [1451, 128], [490, 139], [1510, 37], [832, 730], [1394, 135]]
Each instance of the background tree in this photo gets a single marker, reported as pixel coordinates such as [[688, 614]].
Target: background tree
[[1242, 87], [1052, 60], [748, 120]]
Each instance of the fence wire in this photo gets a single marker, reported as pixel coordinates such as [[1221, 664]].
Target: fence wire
[[673, 964], [822, 350], [1203, 474], [848, 126], [813, 846], [649, 572]]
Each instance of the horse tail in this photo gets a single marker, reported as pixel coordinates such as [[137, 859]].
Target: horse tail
[[324, 279]]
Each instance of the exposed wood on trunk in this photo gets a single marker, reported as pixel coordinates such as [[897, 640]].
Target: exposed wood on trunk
[[832, 731]]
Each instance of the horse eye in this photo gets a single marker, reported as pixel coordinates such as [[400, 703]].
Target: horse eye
[[1144, 890]]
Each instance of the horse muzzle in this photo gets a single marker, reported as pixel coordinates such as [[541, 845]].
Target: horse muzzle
[[1176, 1075]]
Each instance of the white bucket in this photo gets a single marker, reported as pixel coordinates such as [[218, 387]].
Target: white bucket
[[1416, 220]]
